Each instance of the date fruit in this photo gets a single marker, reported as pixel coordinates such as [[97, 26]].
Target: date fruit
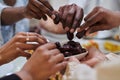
[[70, 48]]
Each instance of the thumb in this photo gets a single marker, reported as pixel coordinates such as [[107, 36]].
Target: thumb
[[96, 28]]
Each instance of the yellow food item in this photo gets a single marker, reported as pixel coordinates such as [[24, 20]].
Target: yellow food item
[[117, 37], [29, 51], [111, 46], [58, 76], [90, 44]]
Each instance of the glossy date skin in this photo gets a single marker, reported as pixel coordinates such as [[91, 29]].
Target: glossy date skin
[[70, 48]]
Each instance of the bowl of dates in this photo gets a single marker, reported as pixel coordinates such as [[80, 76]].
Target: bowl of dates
[[72, 48]]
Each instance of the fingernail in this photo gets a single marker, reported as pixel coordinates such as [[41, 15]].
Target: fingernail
[[78, 30], [87, 33], [72, 30], [67, 29], [53, 16]]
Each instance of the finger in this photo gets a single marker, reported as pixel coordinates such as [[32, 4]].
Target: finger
[[31, 14], [33, 37], [92, 21], [96, 28], [49, 46], [24, 46], [36, 39], [43, 38], [43, 8], [34, 10], [23, 39], [91, 14], [54, 52], [64, 16], [61, 10], [22, 53], [46, 3], [38, 11], [60, 66], [57, 59], [70, 17], [78, 19]]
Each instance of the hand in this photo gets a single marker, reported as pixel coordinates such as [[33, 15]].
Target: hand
[[45, 61], [100, 19], [17, 45], [49, 26], [38, 9], [71, 17], [94, 57]]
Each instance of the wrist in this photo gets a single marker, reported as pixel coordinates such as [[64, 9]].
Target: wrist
[[24, 75]]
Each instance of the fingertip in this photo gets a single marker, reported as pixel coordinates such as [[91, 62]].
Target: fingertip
[[64, 64], [53, 16], [78, 29], [72, 30], [87, 33], [67, 29]]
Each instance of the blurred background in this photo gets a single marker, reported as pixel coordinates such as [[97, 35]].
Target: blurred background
[[107, 41]]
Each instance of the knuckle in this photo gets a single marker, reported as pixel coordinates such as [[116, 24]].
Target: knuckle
[[40, 49], [82, 11], [57, 50], [70, 13], [62, 56], [20, 33], [45, 55], [97, 8], [74, 4], [77, 19], [36, 38], [18, 38], [52, 44], [16, 44], [101, 11]]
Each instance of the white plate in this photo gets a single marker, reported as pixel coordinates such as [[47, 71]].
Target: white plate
[[79, 56]]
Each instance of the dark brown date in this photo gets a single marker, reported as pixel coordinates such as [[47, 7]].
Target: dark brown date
[[70, 36], [70, 48], [81, 34], [57, 17]]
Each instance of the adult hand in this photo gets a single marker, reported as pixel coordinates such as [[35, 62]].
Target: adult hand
[[17, 45], [49, 26], [38, 9], [100, 19], [45, 61], [71, 17], [94, 57]]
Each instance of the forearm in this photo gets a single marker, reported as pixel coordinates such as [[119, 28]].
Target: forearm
[[11, 15], [24, 75]]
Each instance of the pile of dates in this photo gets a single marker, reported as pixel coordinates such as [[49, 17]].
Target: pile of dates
[[70, 48]]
